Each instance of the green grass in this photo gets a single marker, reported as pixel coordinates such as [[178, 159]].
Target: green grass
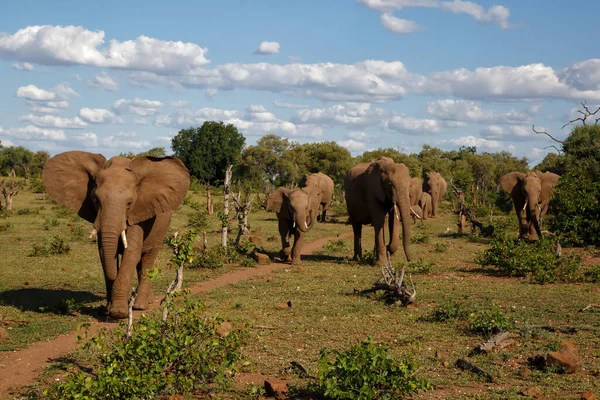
[[325, 312]]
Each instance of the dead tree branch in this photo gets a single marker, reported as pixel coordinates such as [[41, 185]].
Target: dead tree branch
[[225, 220], [465, 213], [396, 289], [585, 114], [546, 133], [242, 209], [9, 190]]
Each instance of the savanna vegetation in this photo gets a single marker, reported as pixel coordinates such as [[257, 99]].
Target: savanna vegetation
[[306, 323]]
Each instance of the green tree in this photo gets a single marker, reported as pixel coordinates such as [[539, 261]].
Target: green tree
[[328, 158], [552, 163], [410, 160], [209, 149], [16, 160]]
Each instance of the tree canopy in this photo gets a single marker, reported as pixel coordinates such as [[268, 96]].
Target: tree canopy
[[209, 149]]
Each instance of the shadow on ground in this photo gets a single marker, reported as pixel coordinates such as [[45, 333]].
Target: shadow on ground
[[54, 301]]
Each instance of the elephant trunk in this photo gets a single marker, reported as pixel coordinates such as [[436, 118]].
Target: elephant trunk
[[109, 241], [403, 199], [301, 221], [533, 213]]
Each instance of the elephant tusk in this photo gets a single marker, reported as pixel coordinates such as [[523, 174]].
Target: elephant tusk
[[414, 212], [396, 212], [305, 225], [525, 206], [294, 224], [124, 239]]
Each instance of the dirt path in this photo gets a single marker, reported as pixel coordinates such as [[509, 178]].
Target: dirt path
[[21, 367]]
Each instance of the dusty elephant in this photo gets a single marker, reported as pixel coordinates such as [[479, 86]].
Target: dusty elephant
[[425, 204], [130, 204], [416, 213], [374, 190], [531, 193], [435, 185], [295, 216], [320, 186], [416, 189]]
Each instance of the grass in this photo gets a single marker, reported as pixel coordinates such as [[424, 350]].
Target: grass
[[325, 312]]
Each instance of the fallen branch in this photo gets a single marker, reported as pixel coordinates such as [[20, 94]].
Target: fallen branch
[[468, 366], [396, 289], [589, 306], [130, 318], [499, 341]]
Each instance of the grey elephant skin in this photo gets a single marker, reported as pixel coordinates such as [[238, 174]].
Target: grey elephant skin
[[436, 186], [425, 204], [416, 189], [531, 193], [319, 187], [130, 204], [376, 190], [295, 212]]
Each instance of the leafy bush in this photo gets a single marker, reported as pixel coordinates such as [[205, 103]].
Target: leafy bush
[[28, 211], [180, 356], [447, 311], [593, 274], [539, 261], [37, 186], [419, 266], [198, 220], [50, 223], [366, 371], [487, 320], [57, 245], [61, 212], [440, 248], [419, 238], [77, 233]]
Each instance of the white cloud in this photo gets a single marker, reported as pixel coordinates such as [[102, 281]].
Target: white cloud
[[280, 104], [360, 136], [266, 48], [398, 25], [465, 110], [47, 107], [583, 75], [480, 143], [349, 113], [103, 81], [125, 141], [31, 132], [98, 116], [409, 125], [64, 91], [137, 106], [394, 5], [352, 145], [511, 133], [51, 121], [178, 103], [141, 121], [87, 139], [75, 45], [32, 92], [23, 66]]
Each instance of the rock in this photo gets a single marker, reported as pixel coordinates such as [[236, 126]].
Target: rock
[[589, 396], [276, 388], [254, 239], [281, 306], [531, 391], [224, 329], [262, 258], [3, 334], [567, 358]]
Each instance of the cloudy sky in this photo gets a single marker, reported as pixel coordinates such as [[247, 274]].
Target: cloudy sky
[[118, 76]]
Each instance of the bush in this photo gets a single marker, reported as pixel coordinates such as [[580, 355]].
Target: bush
[[62, 212], [487, 320], [447, 311], [366, 371], [50, 223], [419, 238], [28, 211], [440, 248], [419, 266], [593, 274], [57, 245], [77, 233], [177, 357], [538, 261]]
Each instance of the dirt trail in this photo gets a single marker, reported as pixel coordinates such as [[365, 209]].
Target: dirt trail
[[21, 367]]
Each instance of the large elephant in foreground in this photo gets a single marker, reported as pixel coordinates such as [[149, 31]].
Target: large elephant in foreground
[[296, 212], [130, 204], [436, 186], [376, 190], [531, 193], [320, 186]]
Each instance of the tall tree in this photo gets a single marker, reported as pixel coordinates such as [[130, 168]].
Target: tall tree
[[208, 151], [16, 160], [329, 158]]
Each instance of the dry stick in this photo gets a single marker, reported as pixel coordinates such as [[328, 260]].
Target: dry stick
[[467, 366], [589, 306], [174, 286], [226, 190], [130, 319]]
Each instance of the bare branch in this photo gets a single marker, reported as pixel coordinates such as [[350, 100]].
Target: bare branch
[[546, 133], [556, 148], [585, 115]]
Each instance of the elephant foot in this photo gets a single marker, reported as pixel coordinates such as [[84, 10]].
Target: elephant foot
[[103, 311], [296, 261], [356, 257], [143, 299], [119, 312]]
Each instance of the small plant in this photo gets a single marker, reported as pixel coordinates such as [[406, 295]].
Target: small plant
[[28, 211], [487, 320], [419, 237], [48, 223], [181, 356], [56, 245], [335, 245], [366, 371], [77, 233], [420, 266], [592, 275], [440, 248], [61, 212], [198, 220], [5, 226], [447, 311]]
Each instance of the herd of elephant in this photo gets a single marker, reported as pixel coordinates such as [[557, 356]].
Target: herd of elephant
[[130, 203]]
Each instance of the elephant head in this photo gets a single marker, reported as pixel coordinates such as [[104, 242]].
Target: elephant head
[[531, 194], [295, 206], [389, 182], [435, 185], [115, 194]]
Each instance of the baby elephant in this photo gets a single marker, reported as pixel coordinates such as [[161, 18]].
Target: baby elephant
[[425, 204]]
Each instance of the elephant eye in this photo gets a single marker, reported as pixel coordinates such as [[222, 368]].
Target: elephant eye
[[129, 203]]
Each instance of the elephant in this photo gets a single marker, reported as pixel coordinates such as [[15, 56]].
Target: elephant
[[321, 186], [296, 212], [425, 204], [130, 203], [416, 213], [435, 185], [531, 193], [376, 190], [416, 188]]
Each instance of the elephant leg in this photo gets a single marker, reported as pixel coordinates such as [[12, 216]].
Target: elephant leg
[[121, 288], [284, 232], [324, 213], [380, 248], [357, 228], [394, 230], [144, 288], [297, 249]]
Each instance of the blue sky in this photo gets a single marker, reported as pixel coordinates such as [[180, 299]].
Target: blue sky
[[120, 76]]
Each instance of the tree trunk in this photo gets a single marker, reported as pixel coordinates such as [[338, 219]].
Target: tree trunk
[[9, 199], [209, 201], [226, 190]]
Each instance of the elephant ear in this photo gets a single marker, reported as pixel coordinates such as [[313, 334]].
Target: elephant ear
[[163, 184], [510, 183], [549, 180], [377, 175], [69, 180], [276, 202]]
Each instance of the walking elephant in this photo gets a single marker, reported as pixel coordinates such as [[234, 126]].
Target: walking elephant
[[435, 185], [130, 204], [320, 186], [425, 204], [416, 189], [296, 212], [531, 193], [376, 190]]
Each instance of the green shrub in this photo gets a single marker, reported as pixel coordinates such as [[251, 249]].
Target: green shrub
[[593, 274], [487, 320], [77, 233], [419, 238], [198, 220], [62, 212], [539, 261], [440, 248], [419, 266], [366, 371], [337, 245], [28, 211], [37, 186], [6, 226], [56, 245], [48, 223], [447, 311], [180, 356]]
